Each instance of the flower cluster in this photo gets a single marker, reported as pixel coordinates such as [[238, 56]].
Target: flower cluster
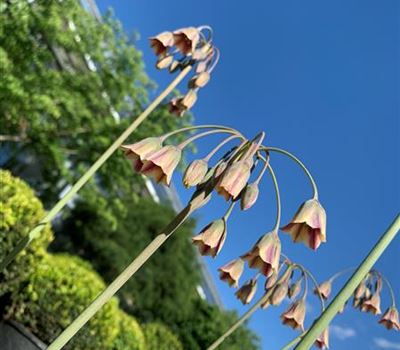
[[184, 47], [367, 297]]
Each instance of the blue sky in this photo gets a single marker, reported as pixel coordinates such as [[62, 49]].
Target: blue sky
[[322, 80]]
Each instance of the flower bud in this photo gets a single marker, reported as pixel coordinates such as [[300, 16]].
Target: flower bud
[[279, 293], [360, 291], [189, 99], [199, 80], [211, 238], [161, 164], [161, 42], [249, 196], [174, 66], [271, 281], [195, 173], [137, 152], [265, 254], [220, 169], [294, 316], [390, 319], [234, 179], [164, 62], [246, 293], [231, 272], [294, 289], [308, 224], [186, 39], [324, 289], [322, 341]]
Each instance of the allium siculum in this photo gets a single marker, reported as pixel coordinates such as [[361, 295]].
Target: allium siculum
[[200, 80], [324, 289], [249, 196], [164, 62], [271, 280], [294, 316], [279, 294], [176, 107], [211, 238], [186, 39], [195, 173], [161, 164], [265, 254], [137, 152], [231, 272], [294, 289], [322, 341], [372, 305], [246, 292], [189, 99], [234, 179], [390, 319], [161, 42], [308, 224]]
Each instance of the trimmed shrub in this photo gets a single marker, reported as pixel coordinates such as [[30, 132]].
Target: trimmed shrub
[[159, 337], [59, 289], [130, 336], [20, 211]]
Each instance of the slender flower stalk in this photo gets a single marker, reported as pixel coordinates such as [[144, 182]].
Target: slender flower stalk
[[35, 232], [363, 269], [185, 143], [220, 145]]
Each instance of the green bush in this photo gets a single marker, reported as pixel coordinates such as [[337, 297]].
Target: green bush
[[20, 211], [130, 336], [59, 289], [159, 337]]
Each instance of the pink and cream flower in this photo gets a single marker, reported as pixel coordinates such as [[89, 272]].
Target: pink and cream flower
[[231, 272], [390, 319], [137, 152], [246, 292], [322, 341], [211, 238], [294, 316], [186, 39], [324, 289], [161, 42]]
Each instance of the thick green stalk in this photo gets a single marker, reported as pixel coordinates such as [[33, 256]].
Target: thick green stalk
[[345, 293], [249, 312], [23, 243], [125, 275]]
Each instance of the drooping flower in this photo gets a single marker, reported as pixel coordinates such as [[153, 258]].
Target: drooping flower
[[294, 316], [186, 39], [372, 305], [211, 238], [246, 292], [200, 80], [271, 280], [308, 224], [176, 107], [279, 293], [322, 341], [161, 164], [265, 254], [234, 179], [249, 196], [324, 289], [231, 272], [294, 289], [161, 42], [195, 173], [137, 152], [189, 99], [390, 319]]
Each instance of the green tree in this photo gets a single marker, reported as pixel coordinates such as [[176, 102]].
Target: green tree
[[63, 76]]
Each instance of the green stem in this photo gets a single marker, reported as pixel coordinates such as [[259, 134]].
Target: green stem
[[242, 319], [113, 288], [300, 163], [345, 293], [278, 199], [293, 342], [24, 242], [229, 211]]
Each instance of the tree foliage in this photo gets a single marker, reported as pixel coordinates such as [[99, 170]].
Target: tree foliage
[[64, 75]]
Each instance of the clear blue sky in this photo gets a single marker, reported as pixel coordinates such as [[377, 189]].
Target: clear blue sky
[[321, 78]]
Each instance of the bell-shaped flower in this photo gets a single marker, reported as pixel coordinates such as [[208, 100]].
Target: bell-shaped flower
[[186, 40], [265, 254], [231, 272], [279, 293], [234, 179], [360, 290], [324, 289], [211, 238], [161, 164], [161, 42], [246, 292], [200, 80], [195, 173], [249, 196], [308, 224], [390, 319], [164, 62], [294, 289], [271, 281], [372, 305], [176, 107], [189, 99], [137, 152], [294, 316], [322, 342]]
